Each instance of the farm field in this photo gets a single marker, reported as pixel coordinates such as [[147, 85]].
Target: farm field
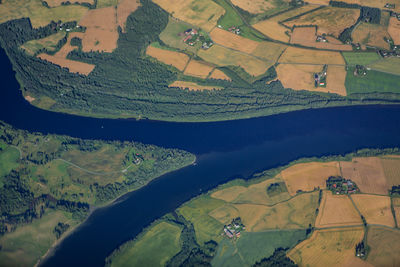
[[329, 20], [330, 216], [175, 59], [198, 69], [308, 176], [309, 56], [231, 16], [262, 6], [49, 43], [71, 65], [389, 65], [193, 86], [375, 209], [233, 41], [336, 79], [124, 9], [202, 13], [298, 76], [391, 168], [384, 246], [394, 30], [269, 51], [333, 247], [360, 58], [154, 248], [219, 75], [396, 207], [371, 35], [367, 173]]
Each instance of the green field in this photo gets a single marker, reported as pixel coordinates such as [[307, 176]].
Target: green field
[[373, 82], [106, 3], [360, 58], [390, 65], [231, 17], [252, 247], [49, 43], [8, 160], [154, 248]]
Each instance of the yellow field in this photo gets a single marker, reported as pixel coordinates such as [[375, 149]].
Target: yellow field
[[307, 176], [219, 75], [202, 13], [375, 209], [309, 56], [198, 69], [175, 59], [269, 51], [49, 42], [193, 86], [384, 247], [334, 247], [39, 14], [391, 167], [255, 6], [229, 194], [330, 20], [124, 9], [227, 212], [335, 80], [71, 65], [233, 41], [367, 173], [271, 27], [396, 207], [54, 3], [222, 56], [336, 210], [371, 35], [298, 76], [394, 30]]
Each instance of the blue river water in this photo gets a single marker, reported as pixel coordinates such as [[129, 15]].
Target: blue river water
[[225, 150]]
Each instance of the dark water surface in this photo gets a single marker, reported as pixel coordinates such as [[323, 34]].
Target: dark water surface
[[225, 150]]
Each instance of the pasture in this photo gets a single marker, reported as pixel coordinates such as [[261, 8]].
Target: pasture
[[308, 176], [219, 75], [9, 157], [360, 58], [194, 86], [384, 247], [198, 68], [49, 43], [155, 247], [367, 173], [201, 13], [391, 168], [331, 216], [106, 3], [171, 35], [371, 35], [394, 30], [388, 65], [375, 209], [335, 247], [230, 17], [175, 59], [310, 56]]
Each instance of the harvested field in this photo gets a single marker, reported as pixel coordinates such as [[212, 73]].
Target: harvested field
[[54, 3], [229, 194], [219, 75], [330, 20], [222, 56], [396, 207], [233, 41], [39, 15], [298, 76], [375, 209], [391, 168], [175, 59], [394, 30], [198, 69], [330, 215], [333, 247], [390, 65], [271, 27], [367, 173], [64, 51], [202, 13], [124, 9], [335, 80], [384, 247], [371, 35], [101, 30], [49, 43], [260, 6], [306, 36], [193, 86], [269, 51], [309, 56], [307, 176]]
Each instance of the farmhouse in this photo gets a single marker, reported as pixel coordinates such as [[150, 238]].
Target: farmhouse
[[338, 185], [233, 230]]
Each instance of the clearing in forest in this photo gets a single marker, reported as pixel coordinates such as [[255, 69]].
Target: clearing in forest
[[330, 215], [391, 168], [124, 9], [271, 27], [310, 56], [394, 30], [371, 35], [384, 246], [49, 43], [334, 247], [367, 173], [198, 68], [329, 20], [375, 209], [175, 59], [193, 86], [389, 64], [308, 176], [219, 75], [202, 13]]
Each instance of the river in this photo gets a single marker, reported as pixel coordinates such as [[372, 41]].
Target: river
[[225, 150]]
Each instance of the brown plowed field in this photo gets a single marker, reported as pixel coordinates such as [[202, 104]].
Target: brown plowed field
[[375, 209], [176, 59]]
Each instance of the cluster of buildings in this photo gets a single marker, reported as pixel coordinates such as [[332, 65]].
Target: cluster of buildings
[[394, 14], [339, 185], [192, 36], [321, 38], [233, 229], [320, 78], [394, 53]]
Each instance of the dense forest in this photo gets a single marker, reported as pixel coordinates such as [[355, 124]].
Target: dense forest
[[127, 82]]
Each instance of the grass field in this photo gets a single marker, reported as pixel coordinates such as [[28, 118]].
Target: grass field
[[384, 244], [9, 157], [391, 167], [49, 43], [394, 30], [329, 248], [367, 173], [106, 3], [158, 244], [331, 216], [330, 20], [39, 14], [360, 58], [230, 17], [371, 35], [219, 75], [375, 209], [202, 13], [193, 86], [198, 68], [374, 81], [310, 56], [175, 59], [389, 65], [308, 176], [26, 245], [252, 247]]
